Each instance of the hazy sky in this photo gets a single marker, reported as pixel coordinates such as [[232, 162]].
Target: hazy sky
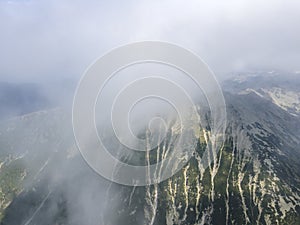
[[54, 39]]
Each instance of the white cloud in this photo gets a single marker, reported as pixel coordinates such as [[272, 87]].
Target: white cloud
[[49, 39]]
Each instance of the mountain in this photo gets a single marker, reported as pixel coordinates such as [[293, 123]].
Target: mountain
[[19, 99], [253, 179]]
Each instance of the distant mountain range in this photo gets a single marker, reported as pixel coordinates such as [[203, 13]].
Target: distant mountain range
[[19, 99]]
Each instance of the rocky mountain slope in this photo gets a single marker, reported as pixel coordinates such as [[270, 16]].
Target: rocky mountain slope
[[253, 179]]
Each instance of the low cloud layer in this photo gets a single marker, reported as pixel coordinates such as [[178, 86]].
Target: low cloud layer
[[54, 40]]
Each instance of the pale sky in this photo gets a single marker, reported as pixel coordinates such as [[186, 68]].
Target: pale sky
[[57, 39]]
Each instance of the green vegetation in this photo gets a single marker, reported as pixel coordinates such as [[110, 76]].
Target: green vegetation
[[11, 177]]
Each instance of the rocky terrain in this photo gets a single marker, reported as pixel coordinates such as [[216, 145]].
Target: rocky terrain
[[253, 179]]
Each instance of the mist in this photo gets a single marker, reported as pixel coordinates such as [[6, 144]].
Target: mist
[[49, 44], [44, 41]]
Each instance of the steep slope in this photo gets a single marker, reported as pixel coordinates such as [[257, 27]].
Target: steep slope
[[254, 179], [28, 144]]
